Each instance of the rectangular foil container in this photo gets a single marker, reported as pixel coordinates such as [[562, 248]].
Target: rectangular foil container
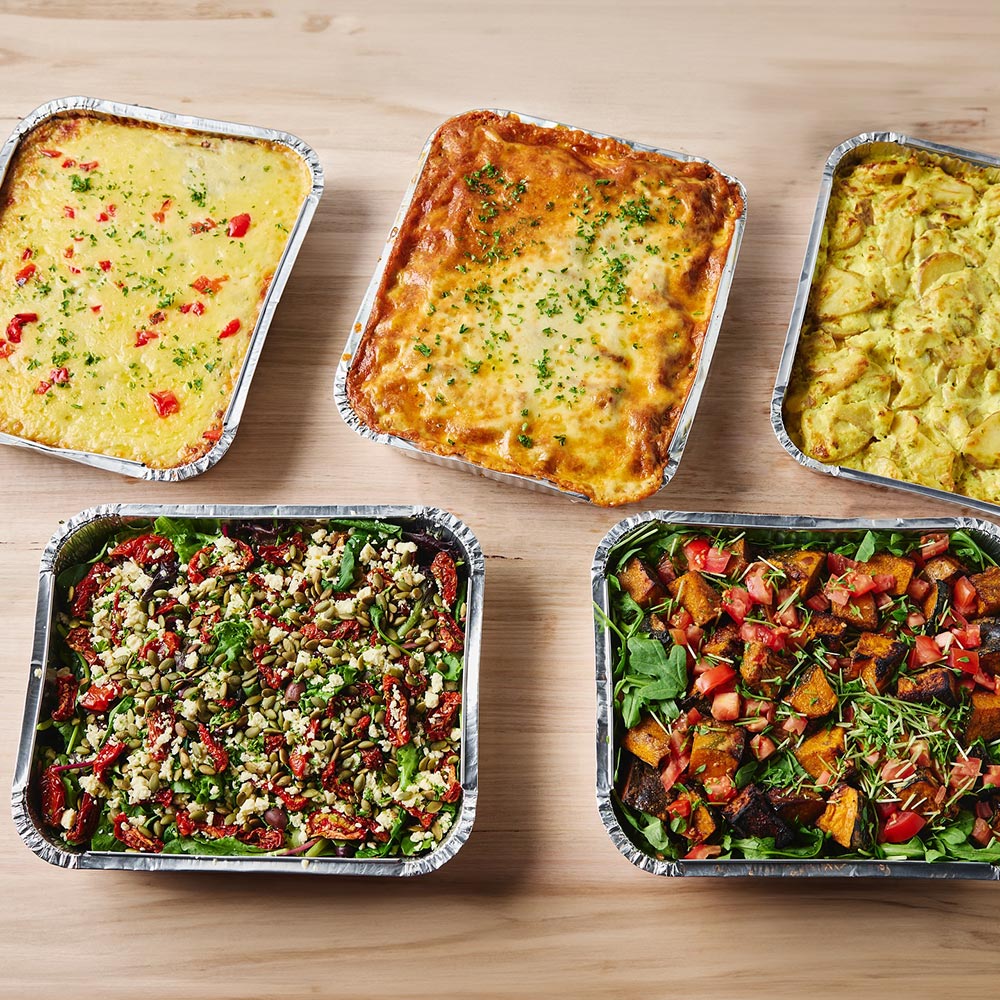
[[234, 412], [683, 429], [846, 154], [77, 539], [985, 533]]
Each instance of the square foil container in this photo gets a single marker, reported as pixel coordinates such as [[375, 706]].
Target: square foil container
[[234, 411], [847, 154], [985, 533], [684, 423], [78, 538]]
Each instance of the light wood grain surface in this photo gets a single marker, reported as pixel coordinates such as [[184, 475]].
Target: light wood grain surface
[[538, 903]]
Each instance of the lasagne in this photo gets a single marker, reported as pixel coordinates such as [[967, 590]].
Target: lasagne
[[896, 370], [543, 307], [134, 261]]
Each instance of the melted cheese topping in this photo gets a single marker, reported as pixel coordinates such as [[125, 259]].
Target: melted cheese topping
[[115, 238], [544, 305], [896, 370]]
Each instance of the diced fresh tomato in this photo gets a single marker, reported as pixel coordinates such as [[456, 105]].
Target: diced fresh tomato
[[991, 776], [696, 551], [981, 832], [915, 619], [773, 638], [883, 601], [678, 636], [963, 774], [759, 589], [665, 569], [838, 565], [713, 680], [933, 545], [965, 597], [968, 637], [825, 779], [925, 651], [859, 583], [716, 560], [818, 602], [238, 226], [681, 806], [966, 660], [166, 403], [762, 746], [898, 770], [677, 764], [836, 593], [703, 852], [920, 753], [726, 706], [884, 582], [737, 604], [902, 826], [760, 715], [886, 809], [795, 724], [681, 619], [788, 615], [918, 589], [720, 789]]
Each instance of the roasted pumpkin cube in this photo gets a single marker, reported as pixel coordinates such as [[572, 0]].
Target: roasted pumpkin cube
[[824, 626], [937, 683], [716, 750], [697, 596], [822, 751], [648, 741], [812, 696], [724, 643], [886, 564], [763, 670], [945, 568], [802, 570], [984, 720], [742, 556], [644, 790], [844, 818], [859, 612], [802, 806], [937, 601], [987, 586], [875, 658], [752, 815], [920, 794], [701, 822], [641, 583]]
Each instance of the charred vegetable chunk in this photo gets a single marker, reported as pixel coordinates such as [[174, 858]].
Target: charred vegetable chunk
[[844, 818], [752, 814], [859, 612], [824, 626], [641, 583], [984, 721], [717, 750], [922, 794], [875, 659], [987, 586], [937, 601], [644, 790], [822, 751], [763, 671], [803, 806], [648, 740], [812, 696], [697, 596], [725, 643], [886, 564], [742, 556], [802, 570], [947, 569], [938, 683]]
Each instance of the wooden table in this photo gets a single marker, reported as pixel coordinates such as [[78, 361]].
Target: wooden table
[[539, 902]]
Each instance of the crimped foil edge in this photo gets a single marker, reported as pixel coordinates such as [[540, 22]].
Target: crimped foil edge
[[987, 534], [686, 420], [424, 516]]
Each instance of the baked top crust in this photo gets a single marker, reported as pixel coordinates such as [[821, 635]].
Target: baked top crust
[[544, 304]]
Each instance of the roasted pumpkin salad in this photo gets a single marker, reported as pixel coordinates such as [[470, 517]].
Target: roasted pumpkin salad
[[792, 694]]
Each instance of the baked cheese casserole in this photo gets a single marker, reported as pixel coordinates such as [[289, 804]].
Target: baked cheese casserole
[[134, 260], [896, 369], [543, 308]]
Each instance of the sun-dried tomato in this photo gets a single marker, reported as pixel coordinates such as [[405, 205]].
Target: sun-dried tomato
[[170, 604], [372, 759], [360, 728], [417, 686], [444, 571], [142, 549], [296, 803], [272, 742], [98, 697], [366, 690], [278, 555], [425, 819], [397, 720], [298, 761], [328, 779], [440, 720], [159, 723], [271, 676], [66, 688], [216, 831], [239, 558], [449, 634], [106, 757], [270, 840], [78, 639], [220, 759], [454, 788], [88, 812], [163, 645], [132, 837], [164, 798], [270, 620], [337, 826], [53, 796], [185, 825], [87, 589], [206, 631]]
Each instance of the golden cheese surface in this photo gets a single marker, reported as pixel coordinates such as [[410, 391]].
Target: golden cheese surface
[[134, 260], [543, 308], [896, 369]]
